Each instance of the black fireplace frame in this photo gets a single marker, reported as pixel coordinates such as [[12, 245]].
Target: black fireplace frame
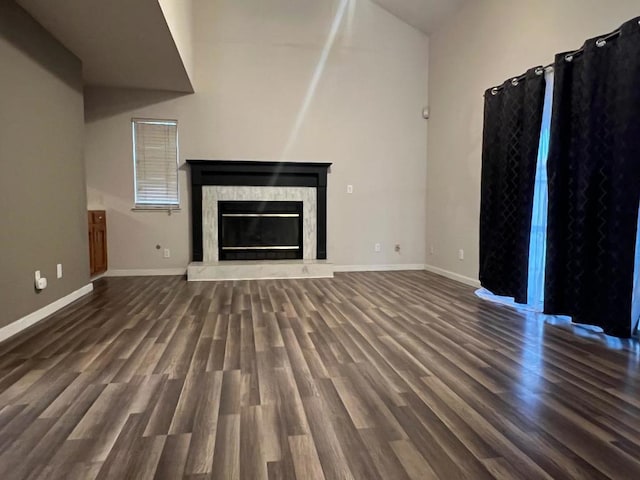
[[257, 174]]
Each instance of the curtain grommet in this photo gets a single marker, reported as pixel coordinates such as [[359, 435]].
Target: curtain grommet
[[601, 43], [494, 91], [568, 58], [539, 71], [515, 82]]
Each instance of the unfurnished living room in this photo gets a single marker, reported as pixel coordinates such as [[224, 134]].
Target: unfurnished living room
[[319, 239]]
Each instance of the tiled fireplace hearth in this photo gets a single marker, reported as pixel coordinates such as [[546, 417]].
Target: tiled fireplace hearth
[[215, 184]]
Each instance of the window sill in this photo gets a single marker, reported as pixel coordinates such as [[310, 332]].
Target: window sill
[[157, 208]]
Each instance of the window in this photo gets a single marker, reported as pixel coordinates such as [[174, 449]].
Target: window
[[155, 160]]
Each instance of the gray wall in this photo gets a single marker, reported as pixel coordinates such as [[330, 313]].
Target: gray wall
[[43, 218], [485, 43]]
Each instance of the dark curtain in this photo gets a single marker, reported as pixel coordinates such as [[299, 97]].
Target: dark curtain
[[513, 117], [594, 183]]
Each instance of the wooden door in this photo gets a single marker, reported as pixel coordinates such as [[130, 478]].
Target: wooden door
[[97, 241]]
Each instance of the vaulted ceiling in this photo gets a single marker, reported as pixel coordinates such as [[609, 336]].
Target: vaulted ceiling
[[124, 43], [425, 15]]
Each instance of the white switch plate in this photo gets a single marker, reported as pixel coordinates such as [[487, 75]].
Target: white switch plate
[[59, 270], [377, 247], [460, 254], [349, 188], [167, 253]]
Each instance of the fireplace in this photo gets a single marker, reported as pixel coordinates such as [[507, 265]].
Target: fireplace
[[220, 181], [265, 230]]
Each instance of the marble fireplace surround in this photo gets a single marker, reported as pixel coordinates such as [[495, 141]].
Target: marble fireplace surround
[[211, 195], [214, 180]]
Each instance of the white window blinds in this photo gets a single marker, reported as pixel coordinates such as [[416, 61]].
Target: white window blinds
[[155, 158]]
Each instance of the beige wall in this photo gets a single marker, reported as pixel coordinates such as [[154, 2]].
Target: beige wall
[[42, 190], [254, 62], [487, 42], [179, 17]]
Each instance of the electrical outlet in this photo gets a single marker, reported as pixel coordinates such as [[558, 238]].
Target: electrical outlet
[[397, 247], [349, 188], [460, 254], [167, 253], [377, 247], [59, 270], [40, 281]]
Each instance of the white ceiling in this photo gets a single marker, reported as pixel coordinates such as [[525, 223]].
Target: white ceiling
[[122, 43], [425, 15]]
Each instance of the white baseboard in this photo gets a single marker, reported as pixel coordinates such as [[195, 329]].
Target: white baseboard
[[35, 317], [336, 268], [453, 276], [379, 268], [152, 272]]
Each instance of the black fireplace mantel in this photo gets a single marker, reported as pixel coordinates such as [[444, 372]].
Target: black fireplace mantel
[[257, 174]]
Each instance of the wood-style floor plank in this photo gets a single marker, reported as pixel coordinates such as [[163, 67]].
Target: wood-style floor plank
[[396, 375]]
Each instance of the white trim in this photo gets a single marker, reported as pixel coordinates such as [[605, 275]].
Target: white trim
[[148, 272], [35, 317], [157, 208], [453, 276], [379, 268]]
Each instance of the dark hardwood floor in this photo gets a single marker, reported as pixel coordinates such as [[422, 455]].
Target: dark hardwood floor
[[399, 375]]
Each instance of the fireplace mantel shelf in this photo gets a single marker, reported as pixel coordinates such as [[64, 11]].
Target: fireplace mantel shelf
[[258, 164], [255, 173]]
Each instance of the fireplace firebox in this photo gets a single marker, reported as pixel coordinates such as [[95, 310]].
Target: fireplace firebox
[[249, 230]]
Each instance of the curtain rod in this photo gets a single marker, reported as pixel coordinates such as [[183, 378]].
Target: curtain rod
[[601, 42]]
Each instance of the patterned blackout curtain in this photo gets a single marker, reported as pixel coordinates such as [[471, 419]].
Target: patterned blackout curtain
[[513, 117], [594, 182]]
